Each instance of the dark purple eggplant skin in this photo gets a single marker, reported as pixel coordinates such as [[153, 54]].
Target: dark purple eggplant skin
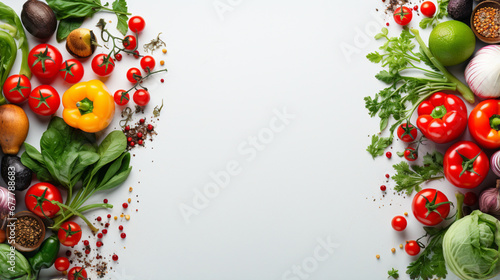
[[12, 170], [38, 19], [460, 10]]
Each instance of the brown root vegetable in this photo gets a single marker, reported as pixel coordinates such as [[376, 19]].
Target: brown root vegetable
[[14, 126], [39, 19], [81, 43]]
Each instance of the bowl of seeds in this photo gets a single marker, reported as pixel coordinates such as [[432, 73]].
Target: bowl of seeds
[[28, 231], [485, 21]]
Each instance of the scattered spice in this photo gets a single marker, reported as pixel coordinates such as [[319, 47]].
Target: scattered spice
[[127, 217], [400, 246], [377, 256], [154, 45], [129, 200], [130, 189], [162, 62], [28, 231], [487, 22], [393, 250], [164, 50], [406, 214]]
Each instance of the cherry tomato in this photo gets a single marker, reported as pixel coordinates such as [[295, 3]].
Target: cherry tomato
[[44, 100], [470, 199], [44, 61], [130, 42], [410, 154], [121, 98], [465, 165], [141, 97], [118, 56], [399, 223], [148, 62], [430, 207], [403, 15], [136, 24], [103, 65], [71, 71], [407, 132], [40, 204], [77, 273], [428, 9], [61, 264], [412, 248], [17, 89], [69, 234], [134, 75]]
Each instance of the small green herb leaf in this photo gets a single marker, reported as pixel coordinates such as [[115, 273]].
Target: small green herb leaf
[[378, 145], [393, 273]]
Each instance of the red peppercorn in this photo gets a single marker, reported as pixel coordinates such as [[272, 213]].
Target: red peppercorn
[[68, 253], [99, 235], [105, 200], [115, 257], [162, 80], [87, 251], [150, 127], [129, 139], [109, 216], [387, 24], [140, 142], [106, 225], [120, 227], [86, 243], [383, 188], [123, 235], [125, 205], [142, 120], [132, 144], [118, 56], [139, 134], [127, 128], [387, 176], [99, 218], [98, 244], [388, 154], [104, 231], [416, 7]]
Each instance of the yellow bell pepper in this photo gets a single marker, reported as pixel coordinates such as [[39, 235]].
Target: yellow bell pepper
[[88, 106]]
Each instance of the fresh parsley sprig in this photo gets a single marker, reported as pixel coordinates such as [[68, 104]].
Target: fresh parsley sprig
[[409, 178], [409, 82], [394, 273]]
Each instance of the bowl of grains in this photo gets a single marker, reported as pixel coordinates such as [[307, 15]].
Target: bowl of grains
[[28, 231], [485, 21]]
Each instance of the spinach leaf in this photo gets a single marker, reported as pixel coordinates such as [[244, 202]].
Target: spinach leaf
[[110, 149], [122, 25], [66, 26], [21, 265]]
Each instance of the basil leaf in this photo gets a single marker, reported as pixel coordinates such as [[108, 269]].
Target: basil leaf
[[117, 180], [32, 152], [66, 26], [21, 265], [121, 6], [113, 168], [110, 149], [37, 167], [75, 8]]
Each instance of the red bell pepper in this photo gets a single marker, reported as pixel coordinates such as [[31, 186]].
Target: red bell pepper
[[442, 117], [465, 165], [484, 124]]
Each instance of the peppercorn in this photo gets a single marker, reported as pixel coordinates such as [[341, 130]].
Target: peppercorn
[[487, 22], [99, 235], [123, 235], [115, 257], [383, 188], [162, 62], [125, 205], [164, 50], [393, 250], [99, 244], [377, 256], [120, 227]]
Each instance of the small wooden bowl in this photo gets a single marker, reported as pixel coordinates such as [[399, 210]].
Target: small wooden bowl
[[18, 246], [487, 40]]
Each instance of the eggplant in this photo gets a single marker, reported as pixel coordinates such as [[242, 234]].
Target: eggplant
[[39, 19], [12, 170]]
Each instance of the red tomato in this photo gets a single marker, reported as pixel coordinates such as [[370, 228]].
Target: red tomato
[[428, 9], [134, 75], [399, 223], [430, 207], [77, 273], [465, 165], [69, 234], [407, 132], [484, 123], [71, 71], [470, 199], [44, 61], [403, 17], [148, 62], [40, 204], [136, 24], [121, 98], [141, 97], [410, 154], [442, 117], [17, 89], [412, 248], [130, 42], [61, 264], [44, 100], [103, 65]]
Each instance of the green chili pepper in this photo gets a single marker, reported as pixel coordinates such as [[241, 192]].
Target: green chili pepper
[[46, 255], [13, 265], [8, 53]]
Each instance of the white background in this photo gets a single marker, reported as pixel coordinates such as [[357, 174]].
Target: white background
[[229, 71]]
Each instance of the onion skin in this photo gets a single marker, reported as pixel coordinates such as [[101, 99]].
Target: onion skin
[[482, 74], [5, 197], [489, 201], [38, 19], [495, 163]]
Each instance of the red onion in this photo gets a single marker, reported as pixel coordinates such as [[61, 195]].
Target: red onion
[[5, 197], [495, 163], [489, 201], [483, 72]]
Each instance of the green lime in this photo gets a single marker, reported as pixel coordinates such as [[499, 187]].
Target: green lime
[[452, 42]]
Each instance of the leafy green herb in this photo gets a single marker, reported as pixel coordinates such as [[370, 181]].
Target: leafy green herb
[[441, 11], [71, 13], [157, 110], [409, 178], [393, 273], [405, 92], [378, 145]]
